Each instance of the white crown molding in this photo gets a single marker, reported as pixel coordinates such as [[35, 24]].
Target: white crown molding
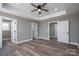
[[63, 12], [18, 14]]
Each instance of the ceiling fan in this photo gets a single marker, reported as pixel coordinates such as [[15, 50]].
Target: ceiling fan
[[39, 8]]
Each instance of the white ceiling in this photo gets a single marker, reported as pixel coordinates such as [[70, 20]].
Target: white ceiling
[[24, 10]]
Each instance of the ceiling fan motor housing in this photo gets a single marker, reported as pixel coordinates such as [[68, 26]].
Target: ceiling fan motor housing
[[39, 6]]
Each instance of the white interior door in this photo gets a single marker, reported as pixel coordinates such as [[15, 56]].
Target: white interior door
[[34, 30], [63, 31], [0, 32], [14, 31]]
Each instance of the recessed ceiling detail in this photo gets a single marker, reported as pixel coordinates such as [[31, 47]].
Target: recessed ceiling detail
[[23, 10]]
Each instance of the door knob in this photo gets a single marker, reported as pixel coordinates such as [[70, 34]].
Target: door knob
[[14, 31]]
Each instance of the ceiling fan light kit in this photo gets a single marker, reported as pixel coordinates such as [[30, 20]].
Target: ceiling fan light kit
[[39, 8]]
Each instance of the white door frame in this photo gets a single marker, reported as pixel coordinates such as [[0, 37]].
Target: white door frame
[[49, 28], [7, 18], [32, 30], [0, 32]]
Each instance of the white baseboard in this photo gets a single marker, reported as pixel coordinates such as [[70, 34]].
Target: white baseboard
[[73, 43], [7, 39], [43, 38], [23, 41], [52, 36]]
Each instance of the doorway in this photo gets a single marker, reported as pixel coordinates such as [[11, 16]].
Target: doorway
[[8, 30], [53, 31], [59, 31], [34, 31]]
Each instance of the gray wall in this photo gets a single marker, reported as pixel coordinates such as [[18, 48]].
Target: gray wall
[[74, 22], [24, 29], [43, 29], [74, 25], [23, 26]]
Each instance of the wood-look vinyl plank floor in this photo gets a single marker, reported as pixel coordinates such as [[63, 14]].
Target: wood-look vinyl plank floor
[[38, 47]]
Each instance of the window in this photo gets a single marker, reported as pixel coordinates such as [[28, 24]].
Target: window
[[6, 26]]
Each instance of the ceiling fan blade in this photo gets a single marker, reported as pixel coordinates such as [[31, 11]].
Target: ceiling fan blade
[[34, 10], [43, 4], [33, 5], [45, 10]]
